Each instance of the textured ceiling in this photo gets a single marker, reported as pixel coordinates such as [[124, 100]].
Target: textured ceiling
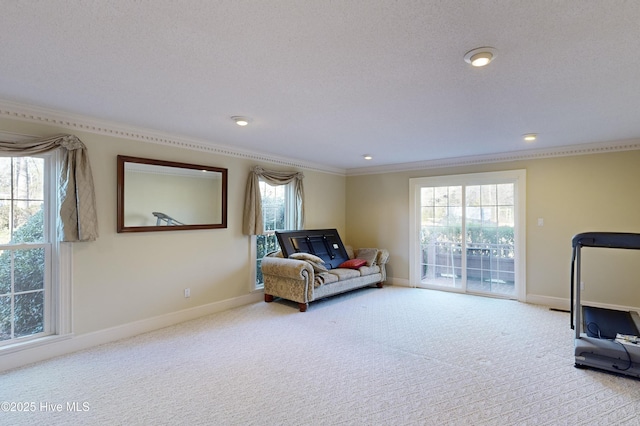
[[328, 81]]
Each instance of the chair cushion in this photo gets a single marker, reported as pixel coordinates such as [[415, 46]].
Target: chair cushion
[[368, 254], [314, 261], [344, 273], [353, 264]]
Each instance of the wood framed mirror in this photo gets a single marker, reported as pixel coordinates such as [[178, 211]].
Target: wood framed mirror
[[157, 195]]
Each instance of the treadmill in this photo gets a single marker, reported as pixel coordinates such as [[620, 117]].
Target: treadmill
[[605, 339]]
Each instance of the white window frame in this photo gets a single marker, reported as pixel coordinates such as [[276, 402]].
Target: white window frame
[[290, 205], [517, 177], [58, 314]]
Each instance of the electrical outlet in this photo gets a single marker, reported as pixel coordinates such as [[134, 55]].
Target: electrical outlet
[[187, 292]]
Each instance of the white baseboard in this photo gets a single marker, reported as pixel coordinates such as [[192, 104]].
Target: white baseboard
[[609, 306], [561, 303], [536, 299], [552, 302], [401, 282], [14, 357]]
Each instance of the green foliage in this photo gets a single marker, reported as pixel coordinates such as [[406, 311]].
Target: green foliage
[[474, 233], [480, 240], [29, 317], [21, 215], [28, 266], [273, 210], [33, 228], [265, 244]]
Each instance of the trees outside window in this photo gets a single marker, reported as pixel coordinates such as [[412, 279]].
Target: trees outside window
[[25, 248]]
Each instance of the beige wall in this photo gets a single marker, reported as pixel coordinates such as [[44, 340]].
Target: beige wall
[[122, 278], [572, 194]]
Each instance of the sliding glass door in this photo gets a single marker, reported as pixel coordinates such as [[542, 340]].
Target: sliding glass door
[[441, 236], [467, 233], [490, 250]]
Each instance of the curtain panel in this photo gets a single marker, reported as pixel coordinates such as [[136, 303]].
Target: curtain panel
[[78, 215], [252, 221]]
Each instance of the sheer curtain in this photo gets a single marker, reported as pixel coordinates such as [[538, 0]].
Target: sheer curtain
[[252, 224], [78, 216]]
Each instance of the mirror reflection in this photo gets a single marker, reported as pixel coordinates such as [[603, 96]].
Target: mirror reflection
[[155, 195]]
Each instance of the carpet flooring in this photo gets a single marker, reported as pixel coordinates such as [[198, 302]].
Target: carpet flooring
[[391, 356]]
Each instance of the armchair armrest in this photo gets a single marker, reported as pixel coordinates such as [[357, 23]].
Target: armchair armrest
[[291, 279], [287, 268], [383, 256]]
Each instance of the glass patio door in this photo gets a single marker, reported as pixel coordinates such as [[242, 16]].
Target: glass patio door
[[441, 242], [490, 244], [466, 233]]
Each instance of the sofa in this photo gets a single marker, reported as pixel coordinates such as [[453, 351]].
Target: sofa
[[304, 278]]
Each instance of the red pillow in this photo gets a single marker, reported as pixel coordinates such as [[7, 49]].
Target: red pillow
[[353, 263]]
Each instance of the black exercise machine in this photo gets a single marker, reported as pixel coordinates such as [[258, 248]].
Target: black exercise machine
[[606, 339]]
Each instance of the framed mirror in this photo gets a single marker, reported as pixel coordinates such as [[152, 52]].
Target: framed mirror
[[156, 195]]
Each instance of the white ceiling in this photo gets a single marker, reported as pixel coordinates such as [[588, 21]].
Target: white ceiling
[[328, 81]]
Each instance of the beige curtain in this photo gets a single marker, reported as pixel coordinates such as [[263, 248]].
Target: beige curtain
[[252, 224], [78, 217]]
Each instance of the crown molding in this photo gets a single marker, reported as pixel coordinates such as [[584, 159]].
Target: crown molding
[[14, 137], [563, 151], [71, 121], [83, 123]]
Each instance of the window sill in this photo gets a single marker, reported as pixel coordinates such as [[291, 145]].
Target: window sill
[[33, 343]]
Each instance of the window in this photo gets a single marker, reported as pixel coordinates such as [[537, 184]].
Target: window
[[277, 208], [25, 248], [468, 233], [33, 303]]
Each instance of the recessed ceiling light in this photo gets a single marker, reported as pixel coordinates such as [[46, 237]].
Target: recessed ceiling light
[[367, 157], [240, 121], [530, 137], [480, 57]]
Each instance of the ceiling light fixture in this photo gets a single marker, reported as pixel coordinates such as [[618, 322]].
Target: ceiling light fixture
[[480, 57], [240, 121], [530, 137], [367, 157]]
